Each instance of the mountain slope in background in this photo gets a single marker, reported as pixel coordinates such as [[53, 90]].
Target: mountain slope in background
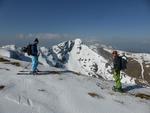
[[92, 60], [76, 56], [138, 63]]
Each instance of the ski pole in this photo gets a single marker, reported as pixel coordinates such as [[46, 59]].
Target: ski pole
[[26, 66]]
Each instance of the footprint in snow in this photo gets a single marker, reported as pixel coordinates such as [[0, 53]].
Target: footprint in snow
[[95, 95], [26, 101]]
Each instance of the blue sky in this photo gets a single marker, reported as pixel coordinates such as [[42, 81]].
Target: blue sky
[[106, 20]]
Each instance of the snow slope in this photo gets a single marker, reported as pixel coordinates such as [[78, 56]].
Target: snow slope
[[63, 92]]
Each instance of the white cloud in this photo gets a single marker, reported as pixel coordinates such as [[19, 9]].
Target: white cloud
[[20, 36], [42, 36], [49, 36]]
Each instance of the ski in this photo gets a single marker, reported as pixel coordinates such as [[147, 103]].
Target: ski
[[28, 73]]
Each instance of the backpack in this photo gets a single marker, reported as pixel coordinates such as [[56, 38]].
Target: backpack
[[29, 49], [24, 49], [123, 62]]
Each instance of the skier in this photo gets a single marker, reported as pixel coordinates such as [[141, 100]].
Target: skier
[[34, 54], [117, 68]]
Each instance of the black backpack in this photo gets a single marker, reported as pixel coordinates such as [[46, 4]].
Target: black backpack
[[24, 49], [29, 49], [123, 62]]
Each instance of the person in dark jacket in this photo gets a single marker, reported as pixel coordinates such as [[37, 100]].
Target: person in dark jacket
[[34, 56], [117, 68]]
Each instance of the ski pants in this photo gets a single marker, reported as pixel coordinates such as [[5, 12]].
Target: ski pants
[[34, 63], [117, 79]]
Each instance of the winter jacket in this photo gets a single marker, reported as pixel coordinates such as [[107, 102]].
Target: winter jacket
[[117, 63]]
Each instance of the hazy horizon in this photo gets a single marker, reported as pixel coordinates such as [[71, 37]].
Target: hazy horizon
[[50, 39]]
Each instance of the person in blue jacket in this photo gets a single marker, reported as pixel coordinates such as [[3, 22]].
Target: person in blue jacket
[[35, 55]]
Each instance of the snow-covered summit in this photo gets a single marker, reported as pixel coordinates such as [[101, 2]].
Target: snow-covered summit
[[11, 51], [10, 47], [74, 55]]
